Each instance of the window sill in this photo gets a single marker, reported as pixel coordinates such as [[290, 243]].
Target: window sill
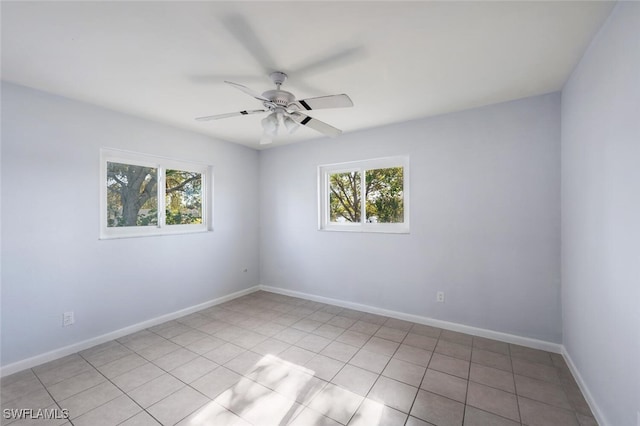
[[367, 229], [153, 232]]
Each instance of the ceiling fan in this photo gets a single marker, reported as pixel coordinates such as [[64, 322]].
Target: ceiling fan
[[285, 110]]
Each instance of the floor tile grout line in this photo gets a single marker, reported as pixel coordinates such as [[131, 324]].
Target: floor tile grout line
[[515, 388], [121, 390], [423, 377], [49, 393], [127, 393], [84, 390], [66, 378], [174, 392], [420, 385], [377, 378], [466, 395], [348, 363], [363, 399]]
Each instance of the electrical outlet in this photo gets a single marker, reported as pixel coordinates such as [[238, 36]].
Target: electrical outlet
[[68, 319], [440, 297]]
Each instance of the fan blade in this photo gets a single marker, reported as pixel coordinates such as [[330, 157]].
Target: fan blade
[[315, 124], [238, 26], [246, 90], [219, 78], [229, 114], [332, 60], [332, 101]]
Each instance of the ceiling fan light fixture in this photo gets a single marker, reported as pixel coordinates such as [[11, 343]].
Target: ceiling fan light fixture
[[270, 124], [290, 124], [265, 139]]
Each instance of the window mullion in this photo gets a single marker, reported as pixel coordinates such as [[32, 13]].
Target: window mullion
[[363, 195], [161, 197], [325, 214]]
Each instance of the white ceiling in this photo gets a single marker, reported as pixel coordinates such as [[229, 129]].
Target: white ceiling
[[166, 61]]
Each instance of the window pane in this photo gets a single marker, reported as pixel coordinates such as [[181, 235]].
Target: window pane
[[131, 195], [344, 197], [384, 195], [183, 197]]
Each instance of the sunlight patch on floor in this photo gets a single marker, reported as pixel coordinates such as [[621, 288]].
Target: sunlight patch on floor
[[214, 414], [274, 391], [370, 413]]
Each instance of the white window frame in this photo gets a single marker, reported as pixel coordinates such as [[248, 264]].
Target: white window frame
[[324, 171], [108, 155]]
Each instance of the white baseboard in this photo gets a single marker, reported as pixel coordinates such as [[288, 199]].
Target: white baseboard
[[597, 413], [86, 344], [481, 332]]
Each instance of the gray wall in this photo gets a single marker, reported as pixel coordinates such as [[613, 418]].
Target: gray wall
[[52, 260], [601, 217], [485, 220]]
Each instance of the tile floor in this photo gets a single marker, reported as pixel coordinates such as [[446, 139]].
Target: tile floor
[[267, 359]]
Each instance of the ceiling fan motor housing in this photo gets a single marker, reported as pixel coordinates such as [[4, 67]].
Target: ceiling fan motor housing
[[279, 97]]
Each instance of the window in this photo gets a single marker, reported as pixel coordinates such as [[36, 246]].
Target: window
[[365, 196], [145, 195]]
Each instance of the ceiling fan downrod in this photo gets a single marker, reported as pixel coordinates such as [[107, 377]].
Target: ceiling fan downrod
[[278, 78]]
